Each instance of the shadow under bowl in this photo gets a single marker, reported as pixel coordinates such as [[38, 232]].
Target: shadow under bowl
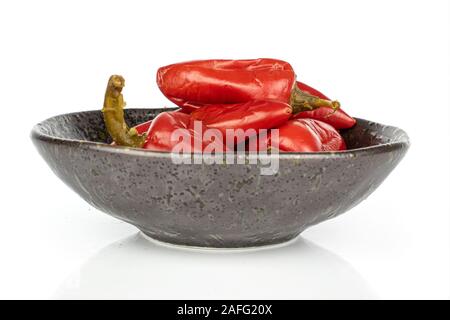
[[216, 205]]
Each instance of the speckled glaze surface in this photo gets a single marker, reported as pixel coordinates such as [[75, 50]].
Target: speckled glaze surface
[[218, 205]]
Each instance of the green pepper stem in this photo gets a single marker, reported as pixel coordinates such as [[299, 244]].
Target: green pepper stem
[[302, 101], [113, 115]]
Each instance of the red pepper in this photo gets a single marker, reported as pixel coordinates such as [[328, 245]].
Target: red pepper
[[160, 134], [337, 118], [235, 81], [256, 115], [330, 138], [302, 135], [143, 127]]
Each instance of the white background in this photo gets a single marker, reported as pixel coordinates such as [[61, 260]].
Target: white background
[[387, 61]]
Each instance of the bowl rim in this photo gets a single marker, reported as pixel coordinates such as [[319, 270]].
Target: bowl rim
[[37, 134]]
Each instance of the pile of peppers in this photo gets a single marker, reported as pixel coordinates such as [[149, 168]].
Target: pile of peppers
[[232, 94]]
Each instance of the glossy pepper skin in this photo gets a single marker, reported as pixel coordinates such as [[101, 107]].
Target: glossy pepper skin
[[143, 127], [330, 138], [303, 135], [163, 126], [256, 115], [337, 118], [234, 81]]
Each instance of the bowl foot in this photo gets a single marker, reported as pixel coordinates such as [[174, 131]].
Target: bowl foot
[[182, 243]]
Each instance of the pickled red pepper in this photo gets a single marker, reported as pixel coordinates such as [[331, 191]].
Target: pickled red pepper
[[301, 135], [235, 81], [160, 134], [338, 118], [255, 115], [232, 94]]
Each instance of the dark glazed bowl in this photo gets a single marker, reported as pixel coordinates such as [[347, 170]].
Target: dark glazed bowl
[[217, 205]]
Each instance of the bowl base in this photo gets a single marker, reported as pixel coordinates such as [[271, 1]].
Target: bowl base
[[233, 246]]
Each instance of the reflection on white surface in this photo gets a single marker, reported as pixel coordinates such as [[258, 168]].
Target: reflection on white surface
[[136, 268]]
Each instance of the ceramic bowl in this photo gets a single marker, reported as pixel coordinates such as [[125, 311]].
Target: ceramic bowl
[[215, 205]]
